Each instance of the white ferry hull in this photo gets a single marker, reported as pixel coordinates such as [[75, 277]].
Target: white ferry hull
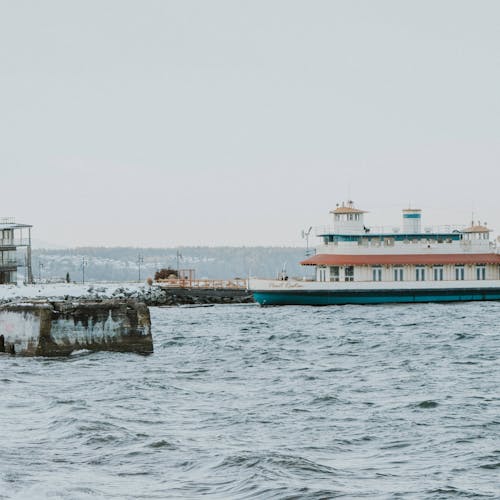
[[293, 292]]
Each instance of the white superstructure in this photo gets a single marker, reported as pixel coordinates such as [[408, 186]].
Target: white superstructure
[[352, 251]]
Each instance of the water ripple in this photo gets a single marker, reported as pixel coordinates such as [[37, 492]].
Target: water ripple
[[243, 402]]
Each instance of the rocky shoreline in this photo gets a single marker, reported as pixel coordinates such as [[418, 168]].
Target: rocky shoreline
[[150, 295]]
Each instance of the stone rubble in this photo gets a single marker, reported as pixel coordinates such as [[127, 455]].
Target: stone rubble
[[150, 295]]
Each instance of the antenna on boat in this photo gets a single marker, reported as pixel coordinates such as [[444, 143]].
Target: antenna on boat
[[305, 235]]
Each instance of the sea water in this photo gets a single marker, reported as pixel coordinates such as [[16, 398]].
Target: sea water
[[244, 402]]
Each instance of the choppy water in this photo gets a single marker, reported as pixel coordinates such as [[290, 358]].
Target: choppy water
[[248, 402]]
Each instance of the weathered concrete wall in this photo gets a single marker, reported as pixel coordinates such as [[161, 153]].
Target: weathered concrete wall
[[59, 328]]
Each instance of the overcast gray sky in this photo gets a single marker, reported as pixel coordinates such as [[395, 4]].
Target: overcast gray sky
[[155, 123]]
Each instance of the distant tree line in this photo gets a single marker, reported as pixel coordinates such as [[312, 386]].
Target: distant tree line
[[122, 263]]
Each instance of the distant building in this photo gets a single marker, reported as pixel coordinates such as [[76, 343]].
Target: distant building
[[12, 237]]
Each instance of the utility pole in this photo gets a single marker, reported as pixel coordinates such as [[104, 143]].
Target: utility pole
[[84, 265], [305, 234], [25, 282], [40, 267], [140, 260], [28, 258], [179, 256]]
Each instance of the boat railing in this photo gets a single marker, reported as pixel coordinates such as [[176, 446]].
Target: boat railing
[[391, 230]]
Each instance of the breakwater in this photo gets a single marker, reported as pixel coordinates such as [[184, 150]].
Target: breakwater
[[154, 295]]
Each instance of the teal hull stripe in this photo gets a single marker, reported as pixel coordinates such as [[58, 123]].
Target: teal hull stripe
[[327, 297]]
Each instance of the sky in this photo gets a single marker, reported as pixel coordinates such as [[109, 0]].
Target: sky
[[226, 122]]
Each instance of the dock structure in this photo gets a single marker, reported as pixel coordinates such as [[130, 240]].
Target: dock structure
[[234, 284], [12, 237], [185, 290]]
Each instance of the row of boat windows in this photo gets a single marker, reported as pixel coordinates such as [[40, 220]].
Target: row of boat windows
[[437, 273], [399, 273], [344, 217]]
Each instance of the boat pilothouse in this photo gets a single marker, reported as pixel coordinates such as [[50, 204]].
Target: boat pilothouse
[[358, 263]]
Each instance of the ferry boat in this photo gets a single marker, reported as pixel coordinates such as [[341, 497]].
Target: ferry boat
[[357, 264]]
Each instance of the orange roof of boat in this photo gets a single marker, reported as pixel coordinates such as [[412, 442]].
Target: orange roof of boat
[[478, 228], [404, 259], [347, 208]]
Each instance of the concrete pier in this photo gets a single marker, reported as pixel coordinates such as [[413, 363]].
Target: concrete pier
[[57, 328]]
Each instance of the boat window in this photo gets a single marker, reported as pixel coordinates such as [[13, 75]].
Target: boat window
[[420, 273], [321, 274], [459, 273], [334, 273], [349, 273], [438, 273], [377, 273], [398, 274], [481, 272]]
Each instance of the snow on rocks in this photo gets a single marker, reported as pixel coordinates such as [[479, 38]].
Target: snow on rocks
[[151, 295]]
